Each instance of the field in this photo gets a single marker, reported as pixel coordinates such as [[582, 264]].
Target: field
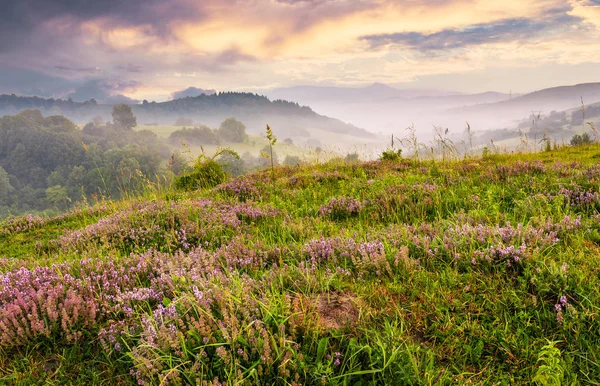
[[333, 145], [254, 145], [477, 271]]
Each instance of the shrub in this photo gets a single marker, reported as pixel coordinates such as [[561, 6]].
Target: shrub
[[340, 208], [352, 158], [206, 174], [201, 135], [292, 160], [581, 139], [391, 155]]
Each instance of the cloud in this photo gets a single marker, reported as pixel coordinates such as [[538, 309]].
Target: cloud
[[104, 90], [130, 67], [29, 13], [191, 92], [76, 47], [120, 99], [477, 34], [588, 10], [30, 83], [79, 70]]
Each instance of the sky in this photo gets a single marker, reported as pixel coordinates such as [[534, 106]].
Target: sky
[[156, 49]]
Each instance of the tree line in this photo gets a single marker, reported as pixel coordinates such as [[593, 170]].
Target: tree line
[[49, 163]]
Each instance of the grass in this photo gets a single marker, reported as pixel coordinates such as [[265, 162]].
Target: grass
[[483, 270], [254, 145]]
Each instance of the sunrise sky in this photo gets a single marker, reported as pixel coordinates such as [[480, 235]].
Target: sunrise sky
[[148, 49]]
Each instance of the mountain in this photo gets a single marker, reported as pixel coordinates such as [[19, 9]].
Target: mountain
[[287, 118], [545, 100], [191, 92], [385, 109], [376, 91], [464, 99], [559, 126]]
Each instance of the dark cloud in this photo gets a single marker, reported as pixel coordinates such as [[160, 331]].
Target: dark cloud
[[79, 70], [118, 99], [102, 90], [125, 12], [25, 22], [215, 62], [27, 82], [310, 12], [507, 30], [191, 92], [232, 56]]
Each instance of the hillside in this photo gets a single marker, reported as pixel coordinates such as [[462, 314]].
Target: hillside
[[373, 92], [291, 119], [381, 108], [558, 126], [481, 271], [546, 100]]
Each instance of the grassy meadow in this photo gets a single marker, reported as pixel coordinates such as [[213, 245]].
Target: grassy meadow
[[253, 145], [484, 270], [333, 145]]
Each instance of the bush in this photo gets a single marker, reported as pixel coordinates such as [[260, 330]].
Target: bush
[[582, 139], [391, 155], [201, 135], [292, 160], [206, 174], [352, 158]]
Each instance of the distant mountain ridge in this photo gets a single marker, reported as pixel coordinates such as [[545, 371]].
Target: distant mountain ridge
[[375, 91], [545, 100], [287, 118]]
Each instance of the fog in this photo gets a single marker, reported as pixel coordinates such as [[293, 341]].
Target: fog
[[385, 110]]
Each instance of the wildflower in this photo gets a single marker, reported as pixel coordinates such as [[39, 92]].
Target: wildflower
[[341, 207]]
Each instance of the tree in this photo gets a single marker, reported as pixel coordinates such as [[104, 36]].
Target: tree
[[97, 121], [201, 135], [123, 117], [232, 130], [5, 186], [232, 164], [57, 196], [251, 162], [58, 123]]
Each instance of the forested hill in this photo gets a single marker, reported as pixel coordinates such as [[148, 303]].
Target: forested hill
[[256, 111]]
